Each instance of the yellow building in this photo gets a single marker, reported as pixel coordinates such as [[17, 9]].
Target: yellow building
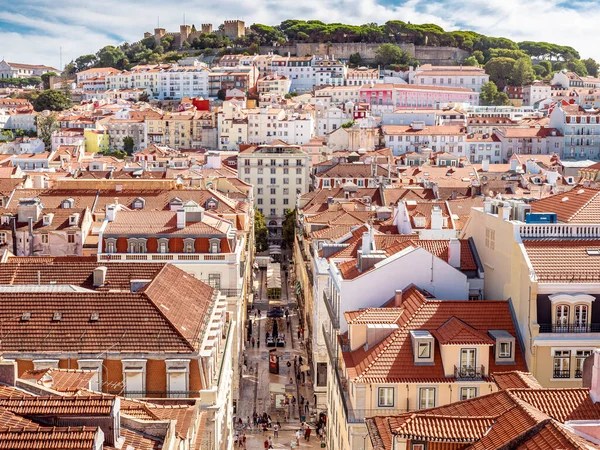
[[96, 140], [549, 269], [415, 353], [179, 130]]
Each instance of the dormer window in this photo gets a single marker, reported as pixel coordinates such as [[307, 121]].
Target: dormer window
[[422, 343], [504, 346], [163, 245], [139, 203], [73, 219], [67, 203], [419, 222], [188, 245], [215, 245], [111, 245]]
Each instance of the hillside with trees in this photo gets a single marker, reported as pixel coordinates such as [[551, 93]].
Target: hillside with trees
[[509, 61]]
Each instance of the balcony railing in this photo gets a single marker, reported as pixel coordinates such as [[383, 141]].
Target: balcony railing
[[569, 328], [561, 230], [561, 374], [578, 373], [166, 257], [469, 373]]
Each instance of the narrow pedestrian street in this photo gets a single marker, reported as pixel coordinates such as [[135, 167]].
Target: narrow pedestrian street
[[279, 396]]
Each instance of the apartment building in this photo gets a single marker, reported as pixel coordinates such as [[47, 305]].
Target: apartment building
[[415, 353], [225, 78], [278, 85], [362, 76], [266, 125], [411, 138], [299, 69], [389, 97], [535, 93], [119, 129], [542, 256], [18, 70], [178, 130], [580, 130], [178, 82], [468, 77], [529, 141], [329, 71], [279, 173]]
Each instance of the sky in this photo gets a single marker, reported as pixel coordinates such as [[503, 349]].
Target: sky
[[34, 31]]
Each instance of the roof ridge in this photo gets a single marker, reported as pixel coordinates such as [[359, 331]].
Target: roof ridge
[[592, 198]]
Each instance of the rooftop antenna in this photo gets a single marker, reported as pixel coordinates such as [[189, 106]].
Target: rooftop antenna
[[158, 21], [60, 62], [183, 19]]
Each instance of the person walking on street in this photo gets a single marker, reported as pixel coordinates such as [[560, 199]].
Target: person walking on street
[[306, 408], [307, 434], [298, 333], [270, 442], [258, 343], [266, 444], [244, 440], [276, 430], [253, 341], [298, 434]]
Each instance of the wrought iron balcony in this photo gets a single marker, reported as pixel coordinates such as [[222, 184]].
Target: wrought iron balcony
[[561, 374], [569, 328], [469, 372], [335, 320]]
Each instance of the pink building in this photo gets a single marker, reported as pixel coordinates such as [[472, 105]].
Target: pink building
[[390, 97]]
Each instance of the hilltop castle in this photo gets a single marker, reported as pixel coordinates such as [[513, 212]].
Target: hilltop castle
[[231, 29]]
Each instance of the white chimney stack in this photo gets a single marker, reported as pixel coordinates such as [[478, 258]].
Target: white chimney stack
[[367, 244], [437, 221], [454, 253], [485, 164], [180, 219], [111, 212], [504, 211], [398, 298]]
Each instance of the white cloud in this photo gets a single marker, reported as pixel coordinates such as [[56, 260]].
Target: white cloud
[[84, 27]]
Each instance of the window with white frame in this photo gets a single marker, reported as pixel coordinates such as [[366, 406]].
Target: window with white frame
[[178, 375], [468, 392], [94, 365], [163, 245], [562, 364], [111, 245], [424, 350], [215, 245], [505, 350], [188, 245], [134, 377], [136, 245], [562, 317], [40, 364], [426, 397], [580, 357], [214, 280], [490, 238], [581, 317], [386, 397]]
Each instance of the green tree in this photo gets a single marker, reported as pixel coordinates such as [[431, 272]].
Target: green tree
[[592, 66], [51, 100], [522, 73], [128, 145], [578, 67], [478, 54], [540, 70], [547, 65], [355, 59], [490, 96], [110, 56], [289, 227], [388, 54], [470, 61], [261, 233], [221, 94], [67, 91], [85, 62], [46, 79], [500, 71], [46, 123]]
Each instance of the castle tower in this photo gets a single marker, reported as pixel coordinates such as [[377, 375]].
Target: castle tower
[[234, 28], [207, 28], [159, 33], [184, 33]]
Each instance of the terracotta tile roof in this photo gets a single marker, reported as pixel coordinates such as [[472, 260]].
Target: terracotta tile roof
[[580, 205], [166, 316], [515, 380], [9, 391], [93, 405], [457, 332], [52, 198], [60, 379], [391, 359], [334, 232], [564, 260], [515, 418], [374, 316], [138, 441], [182, 414], [76, 271], [165, 222], [317, 200], [59, 438], [137, 409], [392, 194], [9, 419]]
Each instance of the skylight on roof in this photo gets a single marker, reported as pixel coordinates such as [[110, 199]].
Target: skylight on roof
[[593, 252]]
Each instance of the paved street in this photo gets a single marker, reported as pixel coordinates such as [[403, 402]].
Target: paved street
[[260, 390]]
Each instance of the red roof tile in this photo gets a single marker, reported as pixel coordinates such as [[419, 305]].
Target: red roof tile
[[564, 260], [579, 205], [457, 332]]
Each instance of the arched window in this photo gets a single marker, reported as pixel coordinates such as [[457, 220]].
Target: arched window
[[581, 317], [562, 317]]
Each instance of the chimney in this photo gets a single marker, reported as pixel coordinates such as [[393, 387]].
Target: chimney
[[367, 243], [180, 219], [111, 212], [213, 160], [99, 276], [454, 253], [29, 208], [485, 164], [398, 298], [437, 221], [487, 205], [504, 211], [513, 164], [8, 372]]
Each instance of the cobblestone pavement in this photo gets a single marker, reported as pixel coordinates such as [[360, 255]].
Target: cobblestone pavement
[[259, 388]]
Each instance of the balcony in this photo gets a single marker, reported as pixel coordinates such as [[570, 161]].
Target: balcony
[[167, 257], [558, 230], [561, 374], [569, 328], [469, 373]]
